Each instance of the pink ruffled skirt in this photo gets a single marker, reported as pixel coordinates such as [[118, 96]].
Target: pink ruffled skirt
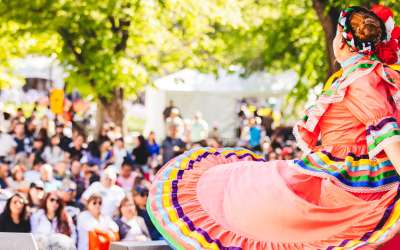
[[232, 199]]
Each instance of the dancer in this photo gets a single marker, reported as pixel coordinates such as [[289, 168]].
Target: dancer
[[343, 194]]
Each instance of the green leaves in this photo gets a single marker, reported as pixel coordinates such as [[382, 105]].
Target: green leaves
[[106, 44]]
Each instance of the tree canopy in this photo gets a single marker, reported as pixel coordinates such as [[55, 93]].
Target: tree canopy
[[112, 48]]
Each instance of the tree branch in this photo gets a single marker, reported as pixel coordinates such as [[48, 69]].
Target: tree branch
[[66, 36], [124, 31]]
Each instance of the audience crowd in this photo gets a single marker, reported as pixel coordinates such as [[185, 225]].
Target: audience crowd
[[57, 180]]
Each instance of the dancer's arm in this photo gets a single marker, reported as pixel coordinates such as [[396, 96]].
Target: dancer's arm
[[392, 150]]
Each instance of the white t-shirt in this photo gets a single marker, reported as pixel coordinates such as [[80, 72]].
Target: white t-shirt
[[112, 196], [7, 143], [199, 131], [86, 222]]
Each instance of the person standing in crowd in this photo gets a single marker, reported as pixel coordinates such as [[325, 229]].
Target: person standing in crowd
[[172, 145], [14, 217], [53, 153], [154, 150], [168, 109], [131, 226], [255, 134], [111, 193], [175, 120], [93, 220], [199, 129], [140, 195], [52, 218], [152, 146]]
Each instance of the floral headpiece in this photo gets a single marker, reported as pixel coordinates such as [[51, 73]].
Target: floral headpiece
[[363, 47], [387, 48]]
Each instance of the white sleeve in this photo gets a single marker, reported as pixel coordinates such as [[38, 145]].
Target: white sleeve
[[113, 226]]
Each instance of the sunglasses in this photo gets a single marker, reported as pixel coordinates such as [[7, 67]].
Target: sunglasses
[[144, 193], [18, 202], [129, 205], [53, 200], [97, 203]]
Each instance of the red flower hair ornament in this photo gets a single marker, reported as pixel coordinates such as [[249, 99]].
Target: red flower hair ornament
[[388, 50]]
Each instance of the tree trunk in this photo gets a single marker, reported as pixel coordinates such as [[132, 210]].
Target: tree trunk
[[110, 110], [328, 21]]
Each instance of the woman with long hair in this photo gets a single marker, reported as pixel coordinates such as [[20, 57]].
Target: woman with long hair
[[344, 192], [14, 217], [140, 153], [131, 226], [52, 218]]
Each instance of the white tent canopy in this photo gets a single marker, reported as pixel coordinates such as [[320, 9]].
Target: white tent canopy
[[41, 67], [215, 97]]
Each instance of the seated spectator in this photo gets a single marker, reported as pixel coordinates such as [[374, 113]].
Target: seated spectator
[[92, 154], [8, 144], [46, 176], [91, 174], [140, 195], [3, 174], [127, 177], [37, 149], [17, 181], [67, 194], [60, 170], [120, 153], [34, 174], [53, 153], [106, 153], [35, 196], [52, 218], [64, 140], [131, 226], [77, 177], [93, 221], [23, 142], [14, 217], [76, 150], [111, 193], [140, 153]]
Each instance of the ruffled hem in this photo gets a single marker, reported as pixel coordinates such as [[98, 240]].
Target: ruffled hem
[[177, 213]]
